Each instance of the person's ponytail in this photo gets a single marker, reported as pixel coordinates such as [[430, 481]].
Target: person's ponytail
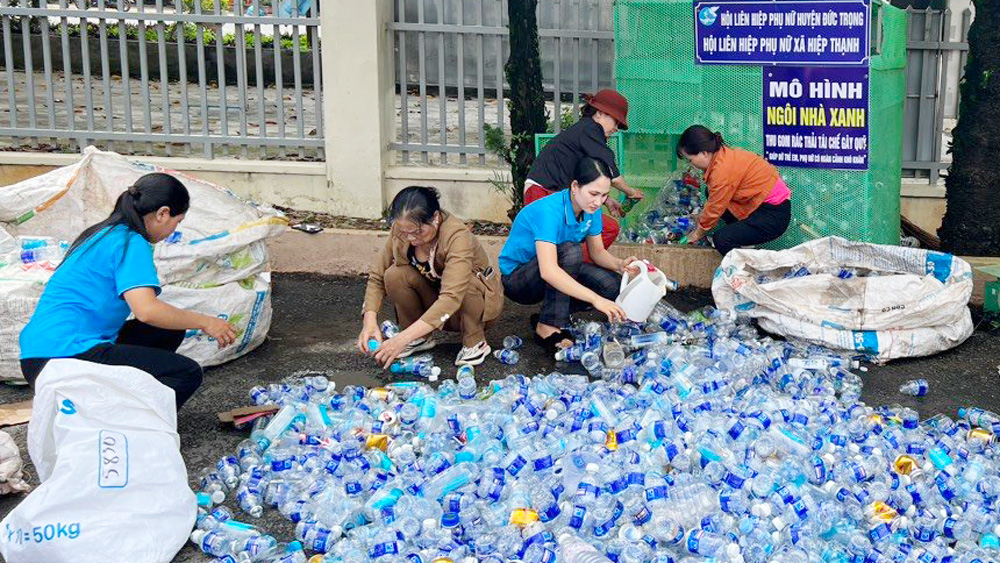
[[147, 195], [697, 139]]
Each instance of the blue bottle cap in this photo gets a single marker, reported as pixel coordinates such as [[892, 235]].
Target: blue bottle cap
[[961, 411], [449, 520]]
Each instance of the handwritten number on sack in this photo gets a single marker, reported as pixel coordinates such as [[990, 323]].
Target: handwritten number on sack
[[113, 456]]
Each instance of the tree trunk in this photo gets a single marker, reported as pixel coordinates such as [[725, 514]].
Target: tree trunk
[[527, 102], [971, 224]]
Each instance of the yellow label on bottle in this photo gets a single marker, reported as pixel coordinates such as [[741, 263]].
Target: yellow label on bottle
[[905, 464], [882, 512], [380, 394], [611, 442], [981, 434], [377, 441], [521, 517]]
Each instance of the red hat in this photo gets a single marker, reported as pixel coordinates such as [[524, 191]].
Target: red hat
[[611, 103]]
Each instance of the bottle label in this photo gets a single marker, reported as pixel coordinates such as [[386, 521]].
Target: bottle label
[[879, 533], [576, 521], [385, 548], [736, 430], [949, 528], [515, 466], [587, 489], [542, 463], [734, 481], [693, 540], [549, 513], [642, 516]]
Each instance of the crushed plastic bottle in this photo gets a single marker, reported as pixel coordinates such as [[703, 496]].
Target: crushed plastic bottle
[[694, 439], [512, 342], [507, 356], [914, 387]]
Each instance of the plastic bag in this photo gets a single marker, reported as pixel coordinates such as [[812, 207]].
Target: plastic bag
[[11, 478], [880, 300], [113, 484]]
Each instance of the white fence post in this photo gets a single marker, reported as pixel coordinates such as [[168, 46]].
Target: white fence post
[[358, 103]]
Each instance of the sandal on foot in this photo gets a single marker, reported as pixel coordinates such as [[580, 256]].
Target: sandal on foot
[[551, 342]]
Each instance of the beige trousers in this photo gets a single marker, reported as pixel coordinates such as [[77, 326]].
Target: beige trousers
[[412, 295]]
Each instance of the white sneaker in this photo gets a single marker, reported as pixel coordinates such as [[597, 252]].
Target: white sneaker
[[418, 345], [473, 356]]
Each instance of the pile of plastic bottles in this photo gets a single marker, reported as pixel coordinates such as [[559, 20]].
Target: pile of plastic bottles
[[32, 252], [694, 440], [670, 216]]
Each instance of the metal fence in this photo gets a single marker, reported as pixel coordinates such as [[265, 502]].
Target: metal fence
[[181, 77], [449, 70], [936, 56]]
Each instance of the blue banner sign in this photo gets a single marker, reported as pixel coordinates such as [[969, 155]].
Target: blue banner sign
[[787, 32], [816, 117]]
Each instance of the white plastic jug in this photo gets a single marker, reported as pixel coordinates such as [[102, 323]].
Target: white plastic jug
[[640, 294]]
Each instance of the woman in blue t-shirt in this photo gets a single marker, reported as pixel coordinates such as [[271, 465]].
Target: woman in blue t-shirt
[[542, 260], [108, 274]]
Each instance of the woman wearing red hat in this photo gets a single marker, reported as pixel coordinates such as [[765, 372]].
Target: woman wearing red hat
[[603, 114]]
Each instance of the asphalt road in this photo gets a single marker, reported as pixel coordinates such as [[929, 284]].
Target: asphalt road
[[316, 321]]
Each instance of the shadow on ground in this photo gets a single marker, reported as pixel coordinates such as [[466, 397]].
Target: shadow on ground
[[316, 321]]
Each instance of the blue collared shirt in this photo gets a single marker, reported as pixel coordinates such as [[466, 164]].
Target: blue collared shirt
[[83, 304], [550, 219]]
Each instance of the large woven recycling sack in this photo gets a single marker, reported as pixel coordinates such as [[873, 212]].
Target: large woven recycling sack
[[11, 476], [907, 302], [216, 262], [113, 484]]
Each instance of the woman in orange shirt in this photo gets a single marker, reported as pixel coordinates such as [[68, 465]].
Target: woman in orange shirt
[[744, 190]]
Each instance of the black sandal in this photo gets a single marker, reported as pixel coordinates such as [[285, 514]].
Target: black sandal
[[551, 342]]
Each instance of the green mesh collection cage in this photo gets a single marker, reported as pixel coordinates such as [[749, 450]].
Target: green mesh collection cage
[[667, 91]]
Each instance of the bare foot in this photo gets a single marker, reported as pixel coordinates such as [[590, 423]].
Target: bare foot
[[546, 331]]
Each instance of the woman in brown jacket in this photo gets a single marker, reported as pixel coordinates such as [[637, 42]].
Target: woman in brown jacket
[[437, 275]]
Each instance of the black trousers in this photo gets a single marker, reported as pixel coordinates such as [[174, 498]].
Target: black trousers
[[765, 224], [525, 285], [142, 346]]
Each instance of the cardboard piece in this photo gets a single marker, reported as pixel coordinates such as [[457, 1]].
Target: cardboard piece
[[12, 414], [244, 414]]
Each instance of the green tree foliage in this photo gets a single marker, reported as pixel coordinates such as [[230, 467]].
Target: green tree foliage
[[527, 103], [971, 224]]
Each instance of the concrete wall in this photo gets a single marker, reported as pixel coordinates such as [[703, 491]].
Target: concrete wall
[[923, 204]]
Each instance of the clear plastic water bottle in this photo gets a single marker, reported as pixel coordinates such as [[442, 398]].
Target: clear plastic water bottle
[[649, 339], [591, 361], [571, 354], [979, 417], [512, 342], [614, 355], [389, 329], [467, 388], [505, 356], [914, 387], [572, 549], [212, 543]]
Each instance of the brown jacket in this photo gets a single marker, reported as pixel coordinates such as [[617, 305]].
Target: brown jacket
[[739, 181], [462, 262]]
